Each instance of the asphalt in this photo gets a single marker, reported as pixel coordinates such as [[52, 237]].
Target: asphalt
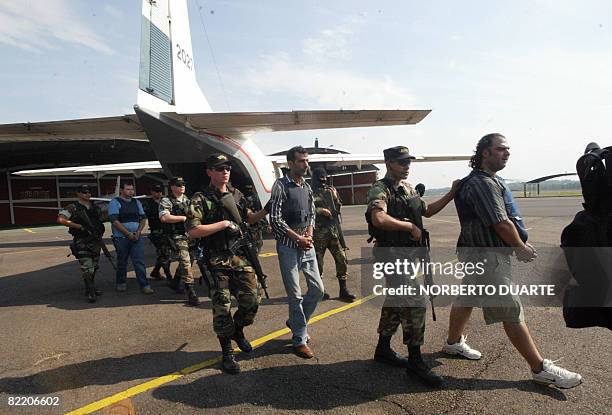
[[119, 352]]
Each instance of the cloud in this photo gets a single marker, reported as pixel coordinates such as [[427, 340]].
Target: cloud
[[327, 87], [317, 76], [35, 25], [334, 43]]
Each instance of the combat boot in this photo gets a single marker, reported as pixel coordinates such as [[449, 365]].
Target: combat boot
[[345, 294], [192, 297], [385, 354], [241, 341], [417, 366], [155, 274], [229, 363], [89, 290], [175, 284]]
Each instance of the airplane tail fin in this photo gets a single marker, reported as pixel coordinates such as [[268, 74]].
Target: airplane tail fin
[[167, 81]]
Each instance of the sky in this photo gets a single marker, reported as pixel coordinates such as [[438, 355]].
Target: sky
[[539, 71]]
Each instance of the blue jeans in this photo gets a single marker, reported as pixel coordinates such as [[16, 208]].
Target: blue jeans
[[291, 261], [135, 250]]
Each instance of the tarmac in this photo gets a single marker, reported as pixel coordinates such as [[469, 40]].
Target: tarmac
[[138, 354]]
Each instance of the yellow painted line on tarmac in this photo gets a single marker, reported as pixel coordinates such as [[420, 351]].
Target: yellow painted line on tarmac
[[154, 383], [28, 230], [267, 254]]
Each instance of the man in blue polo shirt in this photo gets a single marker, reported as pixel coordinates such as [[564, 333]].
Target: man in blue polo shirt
[[128, 219]]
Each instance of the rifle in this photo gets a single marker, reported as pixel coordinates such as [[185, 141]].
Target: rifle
[[425, 246], [88, 226], [206, 275], [336, 217], [245, 244]]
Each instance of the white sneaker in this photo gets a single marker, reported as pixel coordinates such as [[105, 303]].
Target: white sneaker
[[552, 374], [461, 348]]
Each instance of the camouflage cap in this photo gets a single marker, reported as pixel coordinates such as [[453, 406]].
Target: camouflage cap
[[397, 153], [177, 181], [216, 159]]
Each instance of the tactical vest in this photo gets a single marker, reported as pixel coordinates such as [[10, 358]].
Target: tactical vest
[[89, 218], [128, 212], [178, 209], [402, 206], [325, 195], [151, 208], [296, 209], [219, 242]]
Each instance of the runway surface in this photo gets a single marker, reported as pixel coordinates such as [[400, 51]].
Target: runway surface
[[153, 354]]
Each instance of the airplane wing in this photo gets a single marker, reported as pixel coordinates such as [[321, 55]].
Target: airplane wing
[[120, 127], [138, 169], [344, 159], [233, 124]]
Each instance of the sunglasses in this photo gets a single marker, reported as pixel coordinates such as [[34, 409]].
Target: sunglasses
[[223, 168], [403, 162]]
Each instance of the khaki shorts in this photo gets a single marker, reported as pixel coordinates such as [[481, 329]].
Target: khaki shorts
[[495, 308]]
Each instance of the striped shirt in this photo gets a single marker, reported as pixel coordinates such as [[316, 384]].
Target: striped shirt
[[482, 196], [279, 196]]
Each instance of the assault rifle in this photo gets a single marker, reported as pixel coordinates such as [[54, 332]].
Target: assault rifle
[[245, 244], [93, 233], [336, 218], [428, 277]]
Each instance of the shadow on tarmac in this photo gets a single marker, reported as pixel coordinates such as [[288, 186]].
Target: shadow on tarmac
[[312, 386], [107, 371], [305, 385], [61, 286], [58, 242]]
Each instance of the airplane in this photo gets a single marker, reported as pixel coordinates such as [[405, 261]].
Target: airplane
[[173, 114]]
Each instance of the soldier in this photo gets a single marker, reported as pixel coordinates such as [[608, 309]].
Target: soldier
[[151, 208], [327, 233], [394, 216], [84, 220], [231, 272], [173, 214], [253, 203]]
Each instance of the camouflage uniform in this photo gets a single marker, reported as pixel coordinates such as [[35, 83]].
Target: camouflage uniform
[[176, 240], [325, 233], [412, 315], [156, 236], [86, 245], [231, 274]]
